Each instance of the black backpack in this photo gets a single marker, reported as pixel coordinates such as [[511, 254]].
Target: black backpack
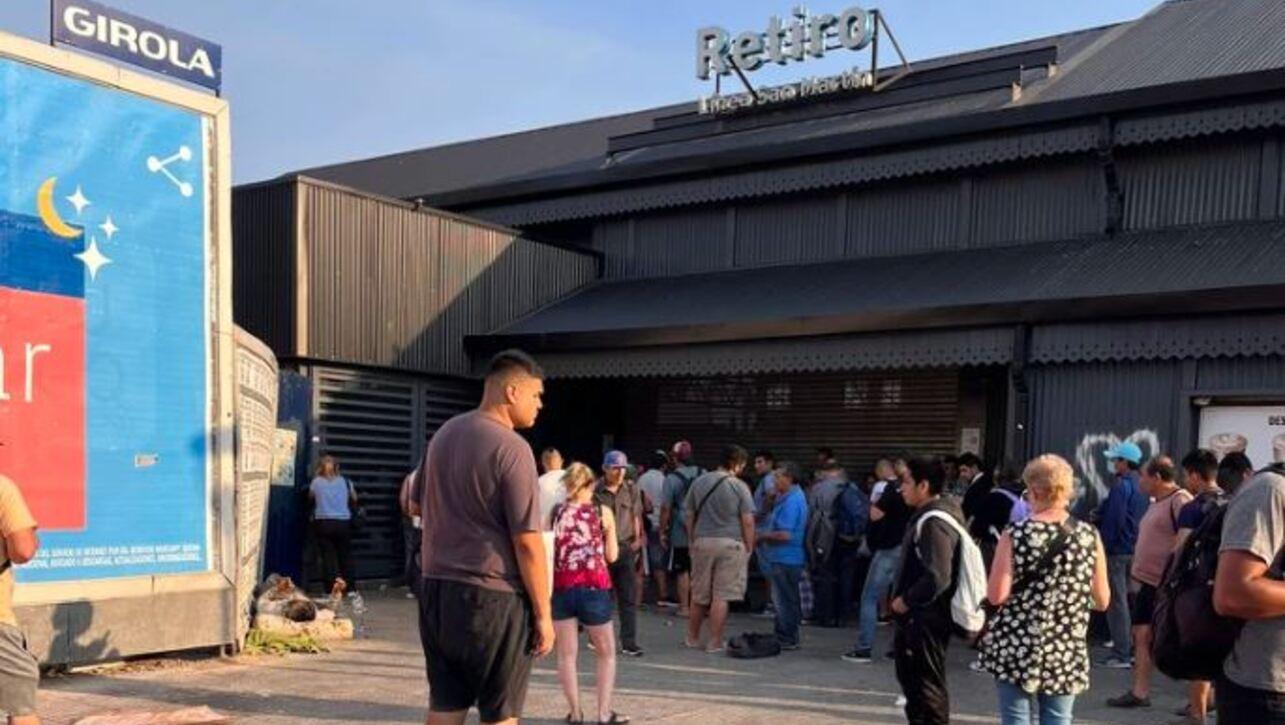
[[1190, 639], [753, 645]]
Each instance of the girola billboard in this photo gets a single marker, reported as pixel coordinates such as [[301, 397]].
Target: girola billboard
[[104, 325]]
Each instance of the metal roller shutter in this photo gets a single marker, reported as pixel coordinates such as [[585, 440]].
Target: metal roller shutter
[[861, 415], [377, 426]]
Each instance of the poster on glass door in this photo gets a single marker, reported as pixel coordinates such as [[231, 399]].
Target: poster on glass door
[[1258, 431]]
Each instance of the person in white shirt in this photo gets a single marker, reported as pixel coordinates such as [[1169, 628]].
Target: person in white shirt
[[652, 485], [552, 493]]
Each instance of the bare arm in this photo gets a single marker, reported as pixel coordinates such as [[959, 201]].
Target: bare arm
[[529, 547], [666, 519], [876, 513], [22, 545], [1000, 584], [610, 543], [747, 530], [1242, 588], [1101, 583]]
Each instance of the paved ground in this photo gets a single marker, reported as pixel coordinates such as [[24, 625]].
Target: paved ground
[[380, 678]]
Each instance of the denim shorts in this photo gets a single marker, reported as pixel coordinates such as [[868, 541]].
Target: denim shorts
[[591, 606]]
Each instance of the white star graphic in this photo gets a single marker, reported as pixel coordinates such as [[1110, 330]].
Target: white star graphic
[[94, 260], [78, 200], [109, 228]]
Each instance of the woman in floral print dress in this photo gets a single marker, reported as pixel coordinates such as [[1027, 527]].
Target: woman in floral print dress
[[1037, 647]]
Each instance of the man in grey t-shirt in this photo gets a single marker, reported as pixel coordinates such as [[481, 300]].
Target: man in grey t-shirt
[[1249, 586], [720, 523]]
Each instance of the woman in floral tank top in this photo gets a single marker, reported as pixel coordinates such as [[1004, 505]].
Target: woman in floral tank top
[[1037, 646], [584, 543]]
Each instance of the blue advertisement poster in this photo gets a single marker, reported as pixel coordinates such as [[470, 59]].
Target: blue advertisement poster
[[104, 330]]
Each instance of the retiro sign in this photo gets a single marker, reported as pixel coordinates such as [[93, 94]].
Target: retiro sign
[[802, 37]]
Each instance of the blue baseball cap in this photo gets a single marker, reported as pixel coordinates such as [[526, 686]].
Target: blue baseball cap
[[615, 459], [1127, 450]]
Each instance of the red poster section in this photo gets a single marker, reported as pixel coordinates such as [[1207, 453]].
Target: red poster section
[[42, 403]]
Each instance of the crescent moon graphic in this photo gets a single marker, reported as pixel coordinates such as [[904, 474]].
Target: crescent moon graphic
[[49, 215]]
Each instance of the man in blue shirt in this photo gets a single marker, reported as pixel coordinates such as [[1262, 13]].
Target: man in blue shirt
[[1118, 520], [782, 535]]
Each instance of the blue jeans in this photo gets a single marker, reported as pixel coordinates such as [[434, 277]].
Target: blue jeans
[[1015, 706], [1118, 620], [789, 608], [883, 570]]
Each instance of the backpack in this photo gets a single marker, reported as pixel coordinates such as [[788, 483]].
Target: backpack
[[753, 645], [970, 582], [822, 533], [1190, 640]]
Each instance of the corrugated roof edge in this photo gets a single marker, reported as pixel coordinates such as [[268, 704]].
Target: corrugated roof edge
[[300, 178]]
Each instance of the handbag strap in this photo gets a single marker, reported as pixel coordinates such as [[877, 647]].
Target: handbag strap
[[697, 513], [1055, 548]]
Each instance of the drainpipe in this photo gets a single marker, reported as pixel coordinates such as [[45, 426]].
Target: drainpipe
[[1114, 196], [1019, 397]]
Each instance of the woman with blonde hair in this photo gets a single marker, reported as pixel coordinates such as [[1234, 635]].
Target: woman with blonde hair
[[333, 501], [584, 536], [1049, 571]]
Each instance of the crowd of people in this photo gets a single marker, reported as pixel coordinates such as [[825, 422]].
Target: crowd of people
[[518, 563]]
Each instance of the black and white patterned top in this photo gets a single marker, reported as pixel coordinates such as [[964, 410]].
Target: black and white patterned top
[[1039, 640]]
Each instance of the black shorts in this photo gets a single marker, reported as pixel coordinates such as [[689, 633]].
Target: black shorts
[[680, 560], [1144, 602], [477, 648]]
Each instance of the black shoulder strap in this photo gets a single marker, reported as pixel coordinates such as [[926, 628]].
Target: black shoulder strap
[[1058, 545], [697, 514]]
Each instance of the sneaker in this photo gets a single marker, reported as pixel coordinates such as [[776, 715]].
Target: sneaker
[[1116, 663], [631, 651], [858, 656], [765, 614], [1129, 700], [1185, 711]]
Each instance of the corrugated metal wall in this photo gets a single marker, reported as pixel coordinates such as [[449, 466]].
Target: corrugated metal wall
[[903, 219], [1193, 183], [263, 268], [394, 287], [690, 240], [1056, 200], [861, 415], [1078, 411], [793, 230], [378, 425]]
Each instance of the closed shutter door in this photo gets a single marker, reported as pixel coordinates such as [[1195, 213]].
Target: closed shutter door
[[377, 426], [369, 423], [861, 415]]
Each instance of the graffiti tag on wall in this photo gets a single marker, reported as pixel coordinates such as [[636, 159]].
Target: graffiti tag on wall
[[1092, 468]]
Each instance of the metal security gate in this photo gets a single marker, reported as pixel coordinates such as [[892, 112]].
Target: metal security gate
[[861, 415], [377, 425]]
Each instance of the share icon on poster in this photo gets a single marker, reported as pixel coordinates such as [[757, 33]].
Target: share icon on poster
[[161, 166]]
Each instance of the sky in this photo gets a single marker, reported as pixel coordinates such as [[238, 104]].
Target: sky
[[313, 82]]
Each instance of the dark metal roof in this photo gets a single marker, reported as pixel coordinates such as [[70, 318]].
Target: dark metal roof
[[439, 169], [1174, 271]]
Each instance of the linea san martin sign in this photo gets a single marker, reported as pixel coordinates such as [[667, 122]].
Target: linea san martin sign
[[131, 39], [803, 37]]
